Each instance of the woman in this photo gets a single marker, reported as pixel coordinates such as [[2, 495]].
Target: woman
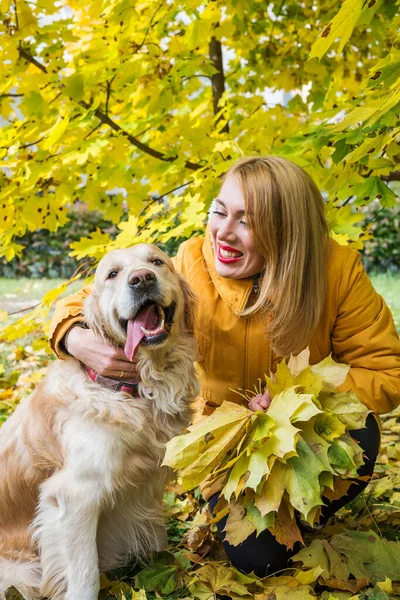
[[270, 282]]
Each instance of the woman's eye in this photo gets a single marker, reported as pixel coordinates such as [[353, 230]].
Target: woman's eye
[[157, 261], [112, 274], [217, 212], [243, 223]]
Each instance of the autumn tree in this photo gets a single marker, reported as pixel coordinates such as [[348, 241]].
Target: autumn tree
[[154, 100]]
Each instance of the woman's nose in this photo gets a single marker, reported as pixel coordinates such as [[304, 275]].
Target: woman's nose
[[226, 230]]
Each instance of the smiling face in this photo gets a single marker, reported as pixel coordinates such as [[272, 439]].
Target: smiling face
[[235, 254]]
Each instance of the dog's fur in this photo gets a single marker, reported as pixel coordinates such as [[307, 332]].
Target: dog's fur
[[81, 480]]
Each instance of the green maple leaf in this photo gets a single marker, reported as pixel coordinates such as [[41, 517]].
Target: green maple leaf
[[302, 479], [347, 408], [351, 13], [254, 516], [161, 576], [345, 456], [74, 86], [375, 558], [329, 427], [196, 453], [380, 557]]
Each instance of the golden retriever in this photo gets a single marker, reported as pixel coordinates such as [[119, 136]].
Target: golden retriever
[[80, 478]]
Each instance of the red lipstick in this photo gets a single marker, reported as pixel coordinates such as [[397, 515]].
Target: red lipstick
[[231, 259], [228, 248]]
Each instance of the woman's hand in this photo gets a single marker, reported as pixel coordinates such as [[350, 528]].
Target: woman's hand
[[260, 402], [96, 354]]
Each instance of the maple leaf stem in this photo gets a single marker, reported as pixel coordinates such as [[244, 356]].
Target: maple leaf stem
[[175, 189], [345, 202], [143, 211], [246, 394], [55, 98], [93, 130]]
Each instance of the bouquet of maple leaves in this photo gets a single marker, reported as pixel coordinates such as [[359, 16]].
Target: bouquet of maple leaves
[[270, 464]]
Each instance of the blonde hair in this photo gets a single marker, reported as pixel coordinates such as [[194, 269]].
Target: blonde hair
[[286, 217]]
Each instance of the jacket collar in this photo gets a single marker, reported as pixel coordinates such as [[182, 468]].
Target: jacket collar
[[235, 292]]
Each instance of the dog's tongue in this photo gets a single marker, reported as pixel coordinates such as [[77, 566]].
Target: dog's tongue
[[147, 318]]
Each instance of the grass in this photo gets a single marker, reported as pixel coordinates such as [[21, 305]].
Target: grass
[[21, 365], [19, 295], [388, 286], [25, 289]]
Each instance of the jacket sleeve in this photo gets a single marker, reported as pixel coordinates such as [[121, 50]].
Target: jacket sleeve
[[68, 312], [365, 337]]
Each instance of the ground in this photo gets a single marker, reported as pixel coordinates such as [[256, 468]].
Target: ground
[[355, 556]]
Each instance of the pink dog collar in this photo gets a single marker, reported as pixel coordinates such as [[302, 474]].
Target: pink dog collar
[[116, 385]]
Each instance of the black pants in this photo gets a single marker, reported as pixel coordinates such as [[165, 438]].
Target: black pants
[[263, 554]]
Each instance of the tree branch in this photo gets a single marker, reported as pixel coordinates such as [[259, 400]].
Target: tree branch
[[218, 79], [29, 58], [134, 141], [16, 15], [271, 33], [150, 26], [114, 126], [109, 83], [195, 76], [393, 176], [157, 198]]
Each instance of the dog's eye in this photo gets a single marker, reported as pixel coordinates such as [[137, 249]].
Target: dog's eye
[[157, 261], [112, 274]]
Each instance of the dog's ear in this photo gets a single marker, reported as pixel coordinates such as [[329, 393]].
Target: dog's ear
[[190, 300], [91, 311]]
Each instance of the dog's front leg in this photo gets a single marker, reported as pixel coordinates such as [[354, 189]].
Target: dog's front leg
[[66, 530]]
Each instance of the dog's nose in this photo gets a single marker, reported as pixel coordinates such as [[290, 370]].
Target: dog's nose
[[141, 279]]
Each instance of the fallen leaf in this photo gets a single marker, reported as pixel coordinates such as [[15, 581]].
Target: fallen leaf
[[285, 529], [237, 527]]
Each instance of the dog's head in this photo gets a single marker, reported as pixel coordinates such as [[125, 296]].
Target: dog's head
[[139, 299]]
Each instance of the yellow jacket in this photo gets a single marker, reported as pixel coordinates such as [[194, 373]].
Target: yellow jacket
[[356, 326]]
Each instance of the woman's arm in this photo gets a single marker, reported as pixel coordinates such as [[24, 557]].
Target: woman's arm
[[95, 353], [68, 312], [83, 344], [365, 337]]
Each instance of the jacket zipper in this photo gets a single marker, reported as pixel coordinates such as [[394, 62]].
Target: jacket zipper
[[254, 291]]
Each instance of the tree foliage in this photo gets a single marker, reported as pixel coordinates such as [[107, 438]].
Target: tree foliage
[[158, 98]]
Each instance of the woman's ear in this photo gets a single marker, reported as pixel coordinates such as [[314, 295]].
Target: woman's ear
[[190, 302], [91, 312]]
